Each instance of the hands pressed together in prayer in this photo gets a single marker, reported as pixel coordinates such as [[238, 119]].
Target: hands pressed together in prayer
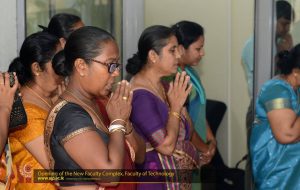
[[178, 91], [119, 104]]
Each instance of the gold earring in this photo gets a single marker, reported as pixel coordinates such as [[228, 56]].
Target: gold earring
[[37, 74], [81, 74]]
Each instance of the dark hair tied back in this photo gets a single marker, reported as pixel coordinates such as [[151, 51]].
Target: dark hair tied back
[[153, 38], [134, 65], [19, 68], [284, 55], [85, 43], [58, 64], [39, 47], [283, 62], [288, 60], [187, 32]]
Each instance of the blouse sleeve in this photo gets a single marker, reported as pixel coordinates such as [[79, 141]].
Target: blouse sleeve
[[72, 120], [275, 97], [148, 118]]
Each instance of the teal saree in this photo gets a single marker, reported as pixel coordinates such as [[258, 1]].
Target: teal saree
[[274, 165]]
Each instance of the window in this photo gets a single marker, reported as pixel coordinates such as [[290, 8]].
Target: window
[[105, 14]]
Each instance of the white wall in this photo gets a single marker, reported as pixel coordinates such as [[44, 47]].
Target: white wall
[[8, 33], [242, 27], [227, 25]]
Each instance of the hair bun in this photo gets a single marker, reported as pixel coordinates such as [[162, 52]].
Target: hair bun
[[283, 62], [283, 54], [58, 64], [134, 64], [17, 66]]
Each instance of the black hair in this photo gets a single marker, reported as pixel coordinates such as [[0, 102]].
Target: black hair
[[187, 32], [85, 43], [288, 60], [153, 38], [58, 64], [39, 47], [284, 10], [62, 25]]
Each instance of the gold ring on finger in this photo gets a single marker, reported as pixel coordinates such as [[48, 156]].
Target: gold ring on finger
[[124, 98]]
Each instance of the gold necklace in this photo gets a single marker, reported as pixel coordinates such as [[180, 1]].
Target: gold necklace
[[163, 97], [37, 95], [102, 126]]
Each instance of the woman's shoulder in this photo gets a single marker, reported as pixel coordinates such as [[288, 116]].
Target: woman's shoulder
[[72, 111], [71, 117], [142, 92], [276, 84], [275, 88], [33, 110]]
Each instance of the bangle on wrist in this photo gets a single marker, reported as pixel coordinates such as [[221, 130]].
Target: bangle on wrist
[[114, 128], [118, 130], [175, 114], [122, 120]]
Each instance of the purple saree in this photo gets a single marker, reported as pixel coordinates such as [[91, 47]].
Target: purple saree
[[149, 117]]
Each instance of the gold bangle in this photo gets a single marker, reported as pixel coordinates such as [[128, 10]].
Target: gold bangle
[[118, 130], [175, 114], [118, 120], [113, 127]]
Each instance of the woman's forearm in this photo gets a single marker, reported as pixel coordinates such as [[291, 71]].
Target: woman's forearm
[[138, 145], [4, 119], [199, 143]]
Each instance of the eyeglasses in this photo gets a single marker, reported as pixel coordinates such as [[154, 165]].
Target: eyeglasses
[[112, 67]]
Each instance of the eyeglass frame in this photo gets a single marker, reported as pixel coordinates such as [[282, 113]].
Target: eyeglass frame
[[109, 65]]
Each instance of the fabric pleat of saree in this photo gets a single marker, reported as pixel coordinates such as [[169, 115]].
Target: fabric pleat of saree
[[196, 103], [149, 117], [24, 163], [274, 165], [6, 173]]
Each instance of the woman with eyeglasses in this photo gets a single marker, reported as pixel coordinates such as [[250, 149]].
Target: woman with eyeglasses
[[76, 136]]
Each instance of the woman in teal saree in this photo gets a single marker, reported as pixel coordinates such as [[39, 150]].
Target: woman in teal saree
[[190, 36], [274, 141]]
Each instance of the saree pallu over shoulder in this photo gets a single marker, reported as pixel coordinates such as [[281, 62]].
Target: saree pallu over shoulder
[[6, 169], [197, 103], [149, 117], [65, 121], [49, 128], [274, 165], [24, 163]]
